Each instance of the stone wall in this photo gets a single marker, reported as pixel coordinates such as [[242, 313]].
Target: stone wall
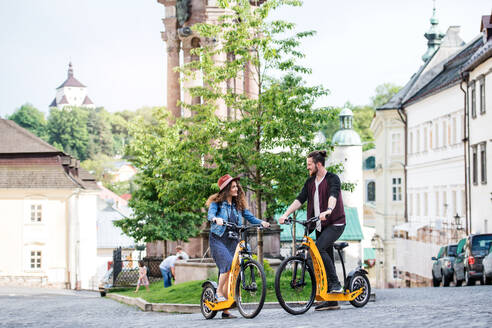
[[29, 281]]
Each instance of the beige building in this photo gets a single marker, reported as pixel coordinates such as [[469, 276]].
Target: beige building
[[48, 209], [389, 178]]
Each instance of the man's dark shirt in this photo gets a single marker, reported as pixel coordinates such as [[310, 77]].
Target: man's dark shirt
[[329, 186]]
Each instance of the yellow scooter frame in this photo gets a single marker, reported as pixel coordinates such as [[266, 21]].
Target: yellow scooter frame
[[231, 293], [321, 281]]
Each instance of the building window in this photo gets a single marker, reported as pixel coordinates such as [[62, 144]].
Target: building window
[[463, 202], [426, 204], [430, 139], [437, 203], [455, 131], [449, 135], [473, 102], [411, 143], [455, 202], [417, 204], [36, 213], [483, 163], [410, 204], [396, 143], [418, 142], [425, 139], [474, 165], [396, 189], [437, 136], [445, 203], [371, 191], [444, 134], [462, 127], [482, 96], [370, 163], [35, 260]]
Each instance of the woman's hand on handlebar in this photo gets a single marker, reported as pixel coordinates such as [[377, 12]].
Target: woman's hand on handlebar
[[265, 224], [219, 221]]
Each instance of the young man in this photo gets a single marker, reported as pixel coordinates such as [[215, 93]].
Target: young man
[[179, 251], [324, 197], [167, 269]]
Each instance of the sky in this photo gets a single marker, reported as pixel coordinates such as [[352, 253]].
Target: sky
[[116, 49]]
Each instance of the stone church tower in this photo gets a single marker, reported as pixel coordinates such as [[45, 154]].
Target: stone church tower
[[180, 16]]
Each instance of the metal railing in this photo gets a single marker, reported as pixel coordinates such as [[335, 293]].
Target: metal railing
[[125, 272]]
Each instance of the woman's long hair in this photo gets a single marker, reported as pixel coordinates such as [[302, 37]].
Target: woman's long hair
[[239, 201]]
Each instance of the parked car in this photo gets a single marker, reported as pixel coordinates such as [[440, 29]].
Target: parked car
[[106, 282], [471, 251], [487, 267], [442, 268], [126, 277]]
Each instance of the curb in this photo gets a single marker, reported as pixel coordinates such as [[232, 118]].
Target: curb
[[180, 308]]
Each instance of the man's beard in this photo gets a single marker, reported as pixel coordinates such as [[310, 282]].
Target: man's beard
[[313, 173]]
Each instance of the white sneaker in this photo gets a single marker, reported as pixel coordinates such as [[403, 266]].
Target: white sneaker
[[220, 298]]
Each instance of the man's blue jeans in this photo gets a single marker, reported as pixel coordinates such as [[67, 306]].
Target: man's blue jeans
[[166, 276]]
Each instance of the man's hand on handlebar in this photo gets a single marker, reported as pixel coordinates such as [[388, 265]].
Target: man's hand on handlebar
[[282, 219], [324, 215]]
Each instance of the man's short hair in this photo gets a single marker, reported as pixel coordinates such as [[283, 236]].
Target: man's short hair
[[318, 156], [179, 248]]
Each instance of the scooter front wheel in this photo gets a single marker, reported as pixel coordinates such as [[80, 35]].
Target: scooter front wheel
[[250, 289], [295, 285], [208, 294], [357, 281]]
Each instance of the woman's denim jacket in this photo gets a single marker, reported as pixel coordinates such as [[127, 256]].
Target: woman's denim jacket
[[223, 213]]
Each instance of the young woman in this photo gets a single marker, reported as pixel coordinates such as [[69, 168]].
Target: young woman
[[228, 205]]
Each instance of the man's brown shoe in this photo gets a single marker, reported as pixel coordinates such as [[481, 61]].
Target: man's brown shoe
[[228, 316], [323, 306]]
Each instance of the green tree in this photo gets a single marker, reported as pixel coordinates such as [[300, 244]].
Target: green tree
[[99, 130], [99, 166], [30, 118], [384, 92], [172, 183], [67, 128], [266, 136]]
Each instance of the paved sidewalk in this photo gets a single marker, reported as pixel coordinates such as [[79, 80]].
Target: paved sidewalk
[[417, 307]]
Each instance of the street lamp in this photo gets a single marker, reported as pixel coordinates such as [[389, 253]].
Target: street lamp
[[457, 222]]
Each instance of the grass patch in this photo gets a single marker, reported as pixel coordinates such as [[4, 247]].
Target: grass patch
[[187, 292]]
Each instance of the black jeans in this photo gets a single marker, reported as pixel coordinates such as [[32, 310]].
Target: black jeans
[[324, 241]]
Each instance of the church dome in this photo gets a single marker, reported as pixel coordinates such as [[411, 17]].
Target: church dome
[[346, 136]]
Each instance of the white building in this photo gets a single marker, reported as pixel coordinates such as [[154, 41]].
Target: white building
[[71, 93], [429, 110], [479, 118], [48, 210]]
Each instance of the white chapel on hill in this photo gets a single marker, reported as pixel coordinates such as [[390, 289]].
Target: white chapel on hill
[[71, 93]]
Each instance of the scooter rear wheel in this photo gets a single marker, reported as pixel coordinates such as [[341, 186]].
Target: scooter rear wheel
[[208, 294], [357, 281]]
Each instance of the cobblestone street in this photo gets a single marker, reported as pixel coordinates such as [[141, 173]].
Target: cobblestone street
[[419, 307]]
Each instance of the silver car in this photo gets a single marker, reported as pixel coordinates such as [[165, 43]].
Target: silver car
[[487, 267]]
